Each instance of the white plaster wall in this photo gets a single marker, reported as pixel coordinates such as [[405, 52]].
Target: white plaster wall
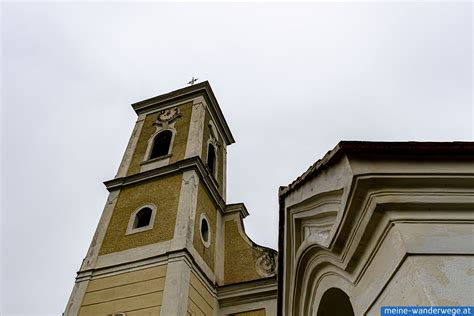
[[447, 280], [436, 280]]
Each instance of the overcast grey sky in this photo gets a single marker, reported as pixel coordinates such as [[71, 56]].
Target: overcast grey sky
[[292, 80]]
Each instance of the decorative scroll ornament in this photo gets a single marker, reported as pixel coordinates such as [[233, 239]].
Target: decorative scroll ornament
[[266, 264], [215, 142], [167, 116]]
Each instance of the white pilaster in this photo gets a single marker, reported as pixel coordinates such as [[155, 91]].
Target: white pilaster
[[219, 267], [183, 230], [77, 295], [224, 173], [196, 128], [90, 260], [93, 252], [132, 144], [175, 295]]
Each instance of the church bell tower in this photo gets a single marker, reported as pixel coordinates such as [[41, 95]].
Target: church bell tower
[[159, 246]]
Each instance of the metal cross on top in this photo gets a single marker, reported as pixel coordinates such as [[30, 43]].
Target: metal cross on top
[[193, 81]]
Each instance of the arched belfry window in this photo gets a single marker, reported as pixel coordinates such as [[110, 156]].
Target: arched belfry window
[[161, 144], [211, 159], [141, 219]]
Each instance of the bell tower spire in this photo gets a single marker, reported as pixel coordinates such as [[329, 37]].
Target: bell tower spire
[[159, 247]]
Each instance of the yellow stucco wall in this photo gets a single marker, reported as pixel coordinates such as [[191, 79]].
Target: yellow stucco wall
[[219, 152], [239, 256], [257, 312], [179, 144], [135, 293], [164, 194], [201, 301], [205, 205]]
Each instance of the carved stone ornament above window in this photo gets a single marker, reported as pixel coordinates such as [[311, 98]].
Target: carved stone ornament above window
[[214, 142], [167, 116]]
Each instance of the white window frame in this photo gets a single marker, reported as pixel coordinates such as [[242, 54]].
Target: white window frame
[[152, 140], [131, 221]]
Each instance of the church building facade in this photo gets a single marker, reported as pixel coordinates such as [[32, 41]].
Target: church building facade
[[371, 224]]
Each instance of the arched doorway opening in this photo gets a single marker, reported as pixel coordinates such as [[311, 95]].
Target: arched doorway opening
[[335, 302]]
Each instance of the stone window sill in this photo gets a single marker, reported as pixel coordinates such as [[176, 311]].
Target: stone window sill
[[155, 159]]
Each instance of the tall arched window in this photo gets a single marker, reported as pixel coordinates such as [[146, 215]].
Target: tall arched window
[[161, 144], [211, 159]]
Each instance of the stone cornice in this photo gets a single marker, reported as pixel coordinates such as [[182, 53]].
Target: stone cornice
[[154, 260], [247, 292], [193, 163], [377, 150], [204, 89], [236, 207]]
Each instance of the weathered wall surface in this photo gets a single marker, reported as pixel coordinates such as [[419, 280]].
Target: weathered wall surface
[[201, 301], [135, 293], [242, 258], [430, 281], [239, 256], [164, 194], [205, 205]]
